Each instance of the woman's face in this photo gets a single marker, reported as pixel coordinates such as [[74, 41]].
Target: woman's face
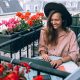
[[56, 20]]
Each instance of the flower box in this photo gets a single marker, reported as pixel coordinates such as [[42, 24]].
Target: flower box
[[23, 25], [27, 37], [11, 47]]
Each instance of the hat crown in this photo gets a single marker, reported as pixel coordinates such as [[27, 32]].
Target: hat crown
[[60, 8]]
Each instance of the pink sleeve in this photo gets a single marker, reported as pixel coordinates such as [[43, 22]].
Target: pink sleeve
[[73, 47], [42, 42]]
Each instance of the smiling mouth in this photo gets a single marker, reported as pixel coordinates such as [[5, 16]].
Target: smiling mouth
[[55, 27]]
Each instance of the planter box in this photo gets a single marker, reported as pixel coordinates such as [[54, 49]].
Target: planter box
[[11, 47], [30, 37], [26, 38]]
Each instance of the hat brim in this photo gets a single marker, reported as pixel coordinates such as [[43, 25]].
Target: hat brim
[[58, 7]]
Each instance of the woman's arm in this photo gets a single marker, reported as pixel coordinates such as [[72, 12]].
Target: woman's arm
[[73, 47], [42, 46], [73, 52]]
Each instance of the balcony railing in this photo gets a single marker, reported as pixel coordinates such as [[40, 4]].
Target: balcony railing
[[76, 21], [31, 48]]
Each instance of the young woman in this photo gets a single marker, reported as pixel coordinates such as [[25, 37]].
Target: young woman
[[56, 38]]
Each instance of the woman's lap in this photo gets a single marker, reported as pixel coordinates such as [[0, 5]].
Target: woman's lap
[[69, 67]]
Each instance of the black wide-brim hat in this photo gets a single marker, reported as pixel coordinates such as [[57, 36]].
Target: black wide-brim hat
[[58, 7]]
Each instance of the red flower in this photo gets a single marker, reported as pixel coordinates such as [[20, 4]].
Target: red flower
[[16, 69], [39, 77], [19, 14], [12, 76], [35, 17], [27, 15], [26, 65], [40, 14], [1, 78], [1, 69], [10, 72], [10, 66], [30, 22]]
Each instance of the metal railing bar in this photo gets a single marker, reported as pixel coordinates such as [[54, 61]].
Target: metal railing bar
[[38, 67]]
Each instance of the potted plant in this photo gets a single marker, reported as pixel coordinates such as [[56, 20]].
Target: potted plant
[[21, 24], [13, 72]]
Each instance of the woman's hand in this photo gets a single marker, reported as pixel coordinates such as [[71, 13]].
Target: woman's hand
[[56, 63], [45, 57]]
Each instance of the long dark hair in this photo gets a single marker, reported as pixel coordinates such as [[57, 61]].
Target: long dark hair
[[51, 33]]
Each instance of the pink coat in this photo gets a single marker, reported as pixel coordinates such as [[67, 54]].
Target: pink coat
[[67, 45]]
